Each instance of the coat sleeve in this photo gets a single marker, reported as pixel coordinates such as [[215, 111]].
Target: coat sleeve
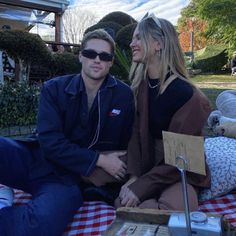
[[127, 123], [190, 119], [160, 177], [134, 151], [56, 147]]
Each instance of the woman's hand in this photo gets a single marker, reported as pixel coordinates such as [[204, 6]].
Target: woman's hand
[[124, 188], [127, 197], [130, 199]]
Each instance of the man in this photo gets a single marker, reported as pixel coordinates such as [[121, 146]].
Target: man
[[233, 64], [84, 124]]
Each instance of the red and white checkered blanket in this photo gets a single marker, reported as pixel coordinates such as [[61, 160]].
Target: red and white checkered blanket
[[225, 206], [91, 219], [94, 217]]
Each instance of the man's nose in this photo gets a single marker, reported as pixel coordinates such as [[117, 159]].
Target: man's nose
[[97, 58]]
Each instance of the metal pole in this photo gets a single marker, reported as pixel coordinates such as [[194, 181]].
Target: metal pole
[[185, 192], [192, 45]]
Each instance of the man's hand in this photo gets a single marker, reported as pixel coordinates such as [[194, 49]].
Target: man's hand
[[112, 164]]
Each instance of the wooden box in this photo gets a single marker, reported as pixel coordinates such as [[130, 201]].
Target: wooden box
[[139, 222]]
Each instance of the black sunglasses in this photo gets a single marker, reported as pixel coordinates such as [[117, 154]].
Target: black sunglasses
[[91, 54]]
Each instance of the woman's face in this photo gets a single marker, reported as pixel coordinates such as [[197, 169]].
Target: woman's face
[[137, 47], [138, 51]]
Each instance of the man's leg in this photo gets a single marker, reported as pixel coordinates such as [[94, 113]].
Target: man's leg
[[53, 203], [52, 207], [14, 163]]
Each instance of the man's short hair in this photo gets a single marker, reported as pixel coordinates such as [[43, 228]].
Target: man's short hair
[[98, 34]]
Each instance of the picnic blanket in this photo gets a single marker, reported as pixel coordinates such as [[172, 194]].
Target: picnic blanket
[[94, 217]]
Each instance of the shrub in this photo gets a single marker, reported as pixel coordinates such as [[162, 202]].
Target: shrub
[[109, 26], [64, 63], [119, 17], [121, 65], [25, 48], [124, 36], [19, 103], [211, 58]]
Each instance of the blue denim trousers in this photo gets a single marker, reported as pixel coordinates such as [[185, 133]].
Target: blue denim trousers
[[54, 201]]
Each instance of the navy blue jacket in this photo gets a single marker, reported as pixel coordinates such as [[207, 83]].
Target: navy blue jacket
[[59, 129]]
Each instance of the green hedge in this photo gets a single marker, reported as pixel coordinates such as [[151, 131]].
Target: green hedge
[[119, 17], [108, 25], [211, 58], [19, 103], [124, 36], [64, 63]]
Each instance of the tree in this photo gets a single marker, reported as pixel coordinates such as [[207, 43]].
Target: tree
[[75, 22], [190, 22], [219, 17], [119, 17], [110, 26], [196, 26], [25, 48]]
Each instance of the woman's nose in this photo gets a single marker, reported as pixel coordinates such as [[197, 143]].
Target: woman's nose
[[132, 44]]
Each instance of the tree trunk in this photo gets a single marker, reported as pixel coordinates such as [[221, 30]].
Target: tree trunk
[[1, 69], [23, 71]]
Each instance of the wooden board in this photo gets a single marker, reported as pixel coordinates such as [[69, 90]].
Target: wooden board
[[135, 217]]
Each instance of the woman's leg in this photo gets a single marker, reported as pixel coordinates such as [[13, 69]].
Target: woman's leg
[[172, 199]]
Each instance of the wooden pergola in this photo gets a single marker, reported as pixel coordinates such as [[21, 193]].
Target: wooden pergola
[[56, 6]]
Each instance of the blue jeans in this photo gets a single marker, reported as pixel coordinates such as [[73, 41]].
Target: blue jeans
[[53, 203]]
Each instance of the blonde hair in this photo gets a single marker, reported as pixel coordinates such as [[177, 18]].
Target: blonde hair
[[171, 55]]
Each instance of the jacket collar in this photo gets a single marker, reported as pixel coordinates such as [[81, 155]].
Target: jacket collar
[[76, 84]]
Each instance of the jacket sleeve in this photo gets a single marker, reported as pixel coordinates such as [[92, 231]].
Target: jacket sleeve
[[190, 119], [134, 151], [56, 147], [160, 177], [154, 182], [127, 123]]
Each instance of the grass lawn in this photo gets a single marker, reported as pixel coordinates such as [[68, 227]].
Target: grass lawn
[[226, 78], [212, 85]]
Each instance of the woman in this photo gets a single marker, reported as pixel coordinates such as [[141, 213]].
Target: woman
[[165, 100]]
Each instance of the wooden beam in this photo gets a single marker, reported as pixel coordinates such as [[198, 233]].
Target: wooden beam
[[57, 6]]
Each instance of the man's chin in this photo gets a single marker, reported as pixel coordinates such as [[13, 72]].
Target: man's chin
[[97, 78]]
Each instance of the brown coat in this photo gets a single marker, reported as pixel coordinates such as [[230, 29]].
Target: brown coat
[[154, 178]]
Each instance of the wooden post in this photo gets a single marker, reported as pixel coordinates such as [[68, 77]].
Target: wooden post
[[58, 27], [192, 45]]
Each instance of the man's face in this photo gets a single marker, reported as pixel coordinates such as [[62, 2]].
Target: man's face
[[95, 68]]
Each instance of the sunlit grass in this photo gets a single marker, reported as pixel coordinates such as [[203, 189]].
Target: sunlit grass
[[209, 85], [214, 78]]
